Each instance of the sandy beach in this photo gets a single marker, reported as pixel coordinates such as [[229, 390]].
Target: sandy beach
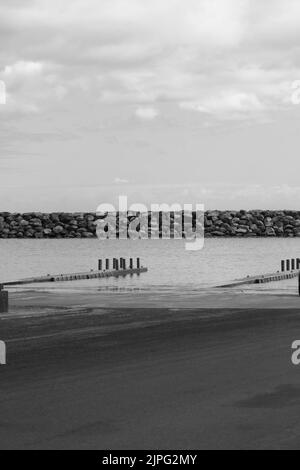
[[80, 376]]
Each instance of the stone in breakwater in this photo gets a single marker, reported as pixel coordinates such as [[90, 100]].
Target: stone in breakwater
[[217, 224]]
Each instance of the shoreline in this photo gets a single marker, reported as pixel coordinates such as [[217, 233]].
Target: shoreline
[[151, 298]]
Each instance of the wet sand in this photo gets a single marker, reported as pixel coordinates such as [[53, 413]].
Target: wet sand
[[83, 377], [247, 297]]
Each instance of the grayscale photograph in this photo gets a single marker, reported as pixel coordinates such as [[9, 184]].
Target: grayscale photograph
[[149, 228]]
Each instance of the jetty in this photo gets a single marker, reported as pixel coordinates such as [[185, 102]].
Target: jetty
[[119, 269], [289, 269]]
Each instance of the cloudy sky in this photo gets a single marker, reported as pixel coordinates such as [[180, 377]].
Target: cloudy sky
[[162, 100]]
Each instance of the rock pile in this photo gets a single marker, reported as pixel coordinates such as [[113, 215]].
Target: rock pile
[[217, 224], [56, 225], [252, 224]]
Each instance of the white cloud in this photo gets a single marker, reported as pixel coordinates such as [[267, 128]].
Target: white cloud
[[2, 92], [146, 114], [193, 52], [23, 69], [30, 86], [234, 103]]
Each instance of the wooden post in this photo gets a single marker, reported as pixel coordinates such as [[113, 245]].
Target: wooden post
[[293, 264], [160, 224], [298, 263], [117, 264], [288, 265], [124, 263], [114, 263], [138, 263], [100, 265], [299, 284], [282, 266], [2, 353], [3, 300], [121, 263], [131, 263], [107, 264]]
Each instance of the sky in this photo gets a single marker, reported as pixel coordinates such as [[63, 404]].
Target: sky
[[194, 101]]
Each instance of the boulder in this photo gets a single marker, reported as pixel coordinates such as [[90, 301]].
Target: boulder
[[58, 229]]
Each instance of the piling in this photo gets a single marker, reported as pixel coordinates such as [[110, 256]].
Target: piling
[[124, 263], [282, 266], [160, 224], [138, 263], [100, 265], [117, 265], [298, 263], [131, 263], [293, 264], [299, 284], [3, 300], [288, 265], [114, 263], [107, 264]]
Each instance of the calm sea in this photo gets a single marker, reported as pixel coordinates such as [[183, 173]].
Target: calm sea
[[170, 265]]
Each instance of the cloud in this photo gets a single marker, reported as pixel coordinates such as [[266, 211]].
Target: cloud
[[233, 104], [146, 114], [30, 86], [225, 58], [23, 69], [2, 92]]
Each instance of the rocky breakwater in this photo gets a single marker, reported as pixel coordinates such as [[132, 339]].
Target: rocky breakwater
[[252, 224], [56, 225], [217, 224]]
